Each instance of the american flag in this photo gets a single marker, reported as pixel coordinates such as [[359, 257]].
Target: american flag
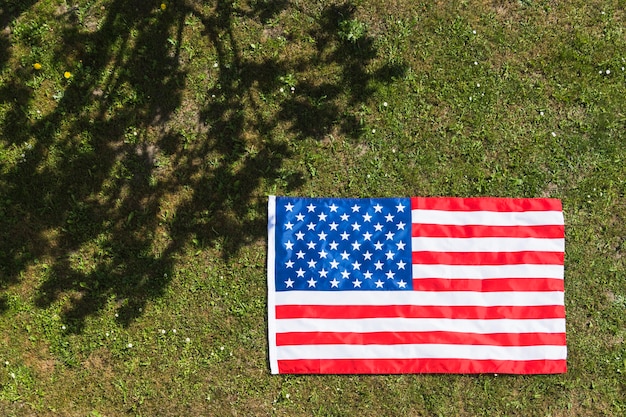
[[416, 285]]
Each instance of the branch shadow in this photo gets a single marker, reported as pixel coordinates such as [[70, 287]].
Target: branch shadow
[[111, 193]]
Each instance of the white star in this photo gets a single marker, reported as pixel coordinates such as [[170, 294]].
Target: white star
[[400, 245], [389, 235], [355, 208], [322, 235], [344, 255], [311, 245], [300, 273], [367, 236], [288, 226], [367, 256], [344, 235], [401, 264], [378, 245], [312, 283], [300, 236], [289, 283], [289, 245], [300, 255], [400, 208], [334, 283], [344, 217], [368, 275], [323, 254], [333, 226], [378, 227], [300, 217], [311, 226], [356, 265], [367, 217], [356, 283], [389, 217], [323, 273], [334, 264], [322, 217], [379, 265], [333, 245], [333, 208], [289, 264], [345, 275], [312, 263], [390, 255], [402, 284], [356, 246], [311, 207], [289, 206], [390, 275], [356, 226], [401, 225], [378, 208], [379, 284]]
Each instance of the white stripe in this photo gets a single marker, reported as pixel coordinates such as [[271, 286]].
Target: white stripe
[[478, 326], [487, 244], [271, 282], [434, 351], [487, 218], [487, 271], [423, 298]]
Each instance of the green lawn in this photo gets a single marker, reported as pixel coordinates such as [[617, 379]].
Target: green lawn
[[139, 141]]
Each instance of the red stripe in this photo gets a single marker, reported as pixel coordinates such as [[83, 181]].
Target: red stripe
[[486, 204], [489, 285], [411, 311], [488, 258], [442, 230], [405, 366], [399, 338]]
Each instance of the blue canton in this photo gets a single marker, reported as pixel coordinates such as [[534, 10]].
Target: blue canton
[[343, 244]]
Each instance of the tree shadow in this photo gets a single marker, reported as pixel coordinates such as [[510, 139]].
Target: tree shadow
[[111, 190]]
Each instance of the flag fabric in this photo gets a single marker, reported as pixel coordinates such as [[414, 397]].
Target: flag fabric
[[416, 285]]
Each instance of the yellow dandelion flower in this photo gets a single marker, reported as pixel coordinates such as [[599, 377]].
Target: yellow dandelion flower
[[37, 66], [163, 6], [67, 75]]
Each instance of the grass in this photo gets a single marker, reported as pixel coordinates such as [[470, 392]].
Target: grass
[[133, 192]]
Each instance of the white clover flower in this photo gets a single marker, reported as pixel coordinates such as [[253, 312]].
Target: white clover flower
[[373, 130], [6, 363], [608, 72], [282, 90], [12, 375], [215, 65], [385, 104], [130, 345], [540, 113], [477, 84], [173, 330], [474, 32], [553, 134], [187, 340], [221, 348], [117, 315], [107, 334], [162, 331], [475, 62], [293, 89]]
